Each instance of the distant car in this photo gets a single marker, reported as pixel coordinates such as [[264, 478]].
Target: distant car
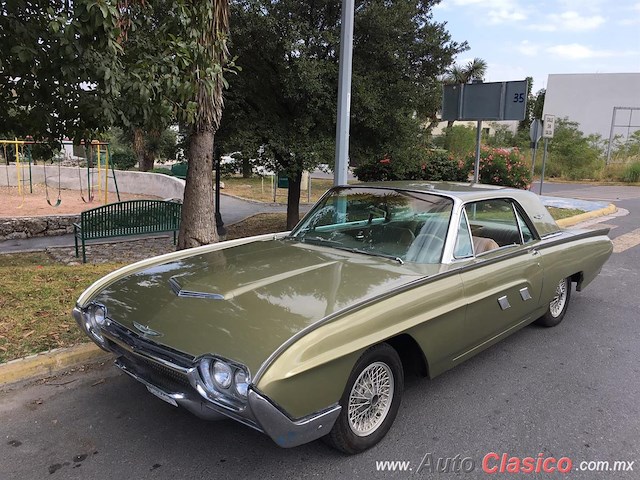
[[308, 334]]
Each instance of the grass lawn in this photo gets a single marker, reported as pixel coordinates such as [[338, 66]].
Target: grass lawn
[[558, 213], [261, 189], [38, 294], [36, 302]]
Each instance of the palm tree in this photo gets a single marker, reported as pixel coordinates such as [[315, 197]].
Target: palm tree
[[210, 24], [474, 70]]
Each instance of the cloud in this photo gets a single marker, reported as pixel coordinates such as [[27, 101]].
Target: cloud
[[496, 11], [576, 51], [527, 48], [570, 21]]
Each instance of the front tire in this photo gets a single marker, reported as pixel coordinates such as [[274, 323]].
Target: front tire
[[558, 305], [370, 401]]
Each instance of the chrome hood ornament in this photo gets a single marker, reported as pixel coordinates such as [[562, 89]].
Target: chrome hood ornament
[[149, 332]]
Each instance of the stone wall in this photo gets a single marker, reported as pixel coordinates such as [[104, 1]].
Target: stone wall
[[26, 227]]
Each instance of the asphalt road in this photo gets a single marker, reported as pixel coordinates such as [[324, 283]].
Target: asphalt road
[[570, 391]]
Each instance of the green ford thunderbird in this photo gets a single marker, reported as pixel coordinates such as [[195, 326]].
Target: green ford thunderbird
[[308, 334]]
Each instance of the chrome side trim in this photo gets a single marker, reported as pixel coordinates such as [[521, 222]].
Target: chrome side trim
[[289, 433], [486, 342], [524, 294], [503, 301]]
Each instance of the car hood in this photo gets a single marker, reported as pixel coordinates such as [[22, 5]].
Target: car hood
[[244, 301]]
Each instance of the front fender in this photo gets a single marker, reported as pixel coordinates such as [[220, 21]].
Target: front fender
[[312, 372]]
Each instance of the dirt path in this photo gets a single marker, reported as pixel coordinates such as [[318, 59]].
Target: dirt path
[[12, 204]]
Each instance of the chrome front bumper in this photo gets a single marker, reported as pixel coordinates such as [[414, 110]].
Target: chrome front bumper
[[174, 378]]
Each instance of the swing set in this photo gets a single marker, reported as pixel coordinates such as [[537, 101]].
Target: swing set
[[20, 157], [96, 153]]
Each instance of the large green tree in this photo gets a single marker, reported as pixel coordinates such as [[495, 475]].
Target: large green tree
[[192, 71], [143, 106], [60, 67], [282, 105], [62, 74]]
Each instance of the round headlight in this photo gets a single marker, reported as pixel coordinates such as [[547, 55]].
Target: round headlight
[[241, 380], [222, 374], [99, 315]]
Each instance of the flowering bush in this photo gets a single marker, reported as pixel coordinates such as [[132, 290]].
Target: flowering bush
[[420, 165], [499, 166]]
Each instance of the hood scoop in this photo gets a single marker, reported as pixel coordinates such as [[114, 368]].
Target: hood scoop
[[241, 289], [177, 289]]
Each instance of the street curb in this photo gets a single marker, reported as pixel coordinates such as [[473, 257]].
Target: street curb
[[571, 221], [48, 363]]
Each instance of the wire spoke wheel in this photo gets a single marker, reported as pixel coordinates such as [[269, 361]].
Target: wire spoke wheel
[[370, 399], [556, 306]]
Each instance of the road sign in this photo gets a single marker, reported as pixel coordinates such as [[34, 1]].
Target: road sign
[[548, 126], [485, 101], [535, 131]]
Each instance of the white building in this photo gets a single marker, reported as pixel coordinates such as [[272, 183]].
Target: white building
[[590, 98], [488, 126]]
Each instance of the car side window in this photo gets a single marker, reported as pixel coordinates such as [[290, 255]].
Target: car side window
[[463, 246], [493, 225], [527, 235]]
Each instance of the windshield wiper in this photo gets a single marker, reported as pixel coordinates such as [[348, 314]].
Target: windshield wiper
[[339, 246], [319, 241], [377, 254]]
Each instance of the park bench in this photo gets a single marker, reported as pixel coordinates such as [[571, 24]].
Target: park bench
[[133, 217], [179, 170]]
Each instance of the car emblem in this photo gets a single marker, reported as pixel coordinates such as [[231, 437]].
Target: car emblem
[[146, 330]]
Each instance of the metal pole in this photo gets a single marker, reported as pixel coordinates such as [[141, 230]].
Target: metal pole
[[613, 121], [476, 168], [340, 174], [219, 223], [534, 151], [544, 163], [29, 157]]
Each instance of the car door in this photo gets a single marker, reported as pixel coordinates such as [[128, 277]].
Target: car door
[[503, 282]]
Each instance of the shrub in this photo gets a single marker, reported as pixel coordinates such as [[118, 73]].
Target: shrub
[[439, 165], [165, 171], [573, 154], [502, 167], [458, 140], [123, 159], [419, 164], [632, 172]]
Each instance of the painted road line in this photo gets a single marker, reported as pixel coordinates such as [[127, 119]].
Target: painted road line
[[626, 241]]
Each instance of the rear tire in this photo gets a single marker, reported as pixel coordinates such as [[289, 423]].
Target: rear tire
[[558, 305], [370, 401]]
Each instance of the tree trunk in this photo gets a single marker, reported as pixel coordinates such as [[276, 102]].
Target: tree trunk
[[138, 147], [293, 200], [148, 161], [198, 225], [246, 167]]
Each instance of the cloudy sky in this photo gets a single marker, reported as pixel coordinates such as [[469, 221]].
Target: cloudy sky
[[520, 38]]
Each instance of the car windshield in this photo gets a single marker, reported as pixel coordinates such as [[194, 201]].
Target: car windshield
[[402, 225]]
